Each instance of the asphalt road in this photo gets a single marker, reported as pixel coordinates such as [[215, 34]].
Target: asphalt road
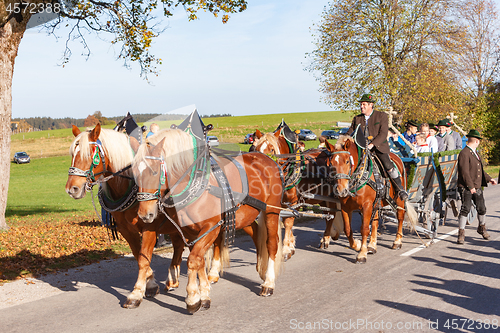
[[445, 287]]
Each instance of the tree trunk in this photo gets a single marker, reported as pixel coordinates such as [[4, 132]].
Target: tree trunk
[[10, 38]]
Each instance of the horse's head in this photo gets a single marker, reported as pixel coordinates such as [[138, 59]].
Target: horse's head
[[342, 165], [270, 143], [150, 175], [163, 159], [87, 161]]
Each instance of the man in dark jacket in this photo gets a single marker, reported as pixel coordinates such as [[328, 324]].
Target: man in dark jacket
[[471, 178], [375, 126]]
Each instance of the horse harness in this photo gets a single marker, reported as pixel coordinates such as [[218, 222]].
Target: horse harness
[[198, 184]]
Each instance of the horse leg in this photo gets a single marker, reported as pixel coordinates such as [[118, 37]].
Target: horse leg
[[216, 263], [271, 252], [325, 240], [365, 231], [398, 242], [174, 270], [353, 243], [289, 239], [372, 246], [199, 295], [146, 284]]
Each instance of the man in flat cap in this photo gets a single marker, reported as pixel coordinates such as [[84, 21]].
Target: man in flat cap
[[471, 179], [375, 127]]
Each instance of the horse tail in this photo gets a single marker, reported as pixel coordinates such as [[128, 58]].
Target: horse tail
[[338, 221], [224, 258], [209, 254], [262, 252], [411, 213]]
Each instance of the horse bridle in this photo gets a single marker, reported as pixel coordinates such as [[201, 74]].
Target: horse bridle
[[97, 157], [343, 175], [147, 196]]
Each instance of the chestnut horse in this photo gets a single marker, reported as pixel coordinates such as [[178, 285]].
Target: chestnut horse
[[344, 161], [164, 164], [276, 144], [102, 152]]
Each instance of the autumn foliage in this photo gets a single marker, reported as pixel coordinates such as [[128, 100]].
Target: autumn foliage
[[42, 246]]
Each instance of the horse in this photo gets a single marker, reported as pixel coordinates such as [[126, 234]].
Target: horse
[[166, 159], [345, 161], [275, 144], [102, 152]]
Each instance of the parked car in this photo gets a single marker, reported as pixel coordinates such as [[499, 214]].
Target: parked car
[[249, 139], [21, 157], [306, 135], [212, 140], [330, 134], [343, 131]]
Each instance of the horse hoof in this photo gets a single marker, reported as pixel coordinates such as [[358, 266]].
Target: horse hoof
[[213, 280], [132, 303], [371, 250], [167, 288], [287, 256], [336, 237], [205, 304], [396, 246], [265, 291], [193, 308], [360, 260], [152, 292]]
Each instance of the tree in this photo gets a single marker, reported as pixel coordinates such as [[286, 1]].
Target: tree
[[91, 121], [371, 45], [133, 24]]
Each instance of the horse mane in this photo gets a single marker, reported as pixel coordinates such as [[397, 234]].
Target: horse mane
[[116, 147], [271, 139], [177, 150], [339, 145]]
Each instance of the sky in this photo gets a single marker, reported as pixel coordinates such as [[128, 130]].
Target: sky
[[254, 64]]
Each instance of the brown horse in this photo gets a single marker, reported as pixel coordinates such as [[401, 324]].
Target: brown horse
[[344, 161], [168, 156], [101, 152], [275, 144]]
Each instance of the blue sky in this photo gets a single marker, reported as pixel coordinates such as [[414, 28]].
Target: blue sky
[[254, 64]]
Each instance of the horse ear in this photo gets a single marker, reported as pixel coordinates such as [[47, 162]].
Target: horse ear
[[258, 134], [347, 144], [328, 145], [94, 134], [76, 130], [134, 144], [156, 151], [277, 133]]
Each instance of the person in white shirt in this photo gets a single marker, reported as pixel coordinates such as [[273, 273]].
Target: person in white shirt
[[430, 139], [422, 146]]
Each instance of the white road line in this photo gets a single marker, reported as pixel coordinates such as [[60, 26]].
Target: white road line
[[415, 250]]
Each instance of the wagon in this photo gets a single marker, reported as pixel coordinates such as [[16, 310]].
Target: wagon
[[432, 190]]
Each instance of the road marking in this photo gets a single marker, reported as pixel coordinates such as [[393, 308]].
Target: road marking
[[415, 250]]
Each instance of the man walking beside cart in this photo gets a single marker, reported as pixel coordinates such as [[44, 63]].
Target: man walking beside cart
[[471, 179]]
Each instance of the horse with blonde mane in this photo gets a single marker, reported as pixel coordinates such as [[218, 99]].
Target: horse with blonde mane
[[163, 169], [355, 194], [300, 188], [104, 152]]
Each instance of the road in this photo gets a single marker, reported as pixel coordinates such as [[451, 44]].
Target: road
[[445, 288]]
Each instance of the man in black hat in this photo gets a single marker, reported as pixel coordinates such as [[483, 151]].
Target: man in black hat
[[448, 140], [375, 127], [471, 178]]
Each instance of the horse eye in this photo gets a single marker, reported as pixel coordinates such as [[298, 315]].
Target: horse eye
[[347, 162]]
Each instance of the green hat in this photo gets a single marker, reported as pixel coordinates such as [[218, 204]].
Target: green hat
[[474, 134], [432, 126], [411, 123], [444, 122], [367, 98]]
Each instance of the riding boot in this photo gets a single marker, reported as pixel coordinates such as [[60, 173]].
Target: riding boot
[[399, 187], [481, 228]]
